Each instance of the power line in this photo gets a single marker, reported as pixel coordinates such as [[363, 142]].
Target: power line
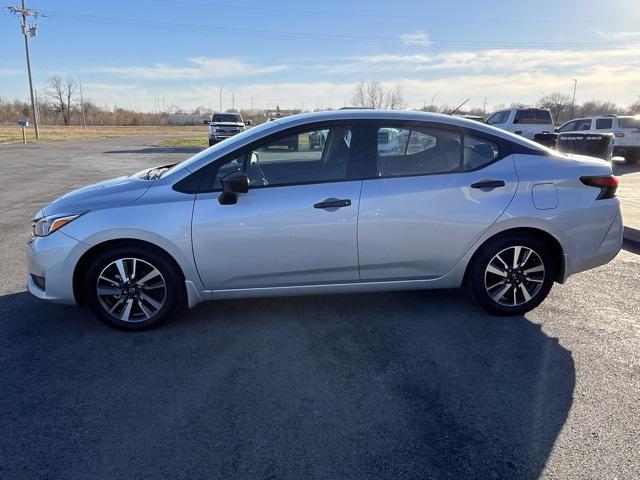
[[341, 13], [28, 31], [324, 38]]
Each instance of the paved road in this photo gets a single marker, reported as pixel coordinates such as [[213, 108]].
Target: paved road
[[396, 385]]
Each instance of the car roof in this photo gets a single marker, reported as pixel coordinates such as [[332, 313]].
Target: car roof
[[400, 115]]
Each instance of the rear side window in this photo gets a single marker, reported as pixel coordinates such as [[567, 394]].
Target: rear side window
[[417, 151], [533, 117], [629, 122], [604, 123], [479, 152]]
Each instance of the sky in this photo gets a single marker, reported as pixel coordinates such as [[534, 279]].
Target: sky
[[144, 54]]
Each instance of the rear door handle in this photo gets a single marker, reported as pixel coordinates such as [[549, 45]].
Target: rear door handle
[[333, 203], [488, 184]]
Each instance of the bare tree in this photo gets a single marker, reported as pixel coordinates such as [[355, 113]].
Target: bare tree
[[634, 108], [395, 99], [557, 102], [61, 93], [373, 94]]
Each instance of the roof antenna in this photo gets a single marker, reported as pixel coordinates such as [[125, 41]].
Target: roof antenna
[[458, 107]]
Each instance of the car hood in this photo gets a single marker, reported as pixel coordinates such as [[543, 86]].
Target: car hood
[[106, 194]]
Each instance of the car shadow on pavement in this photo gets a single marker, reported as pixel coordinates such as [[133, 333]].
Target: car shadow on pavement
[[159, 150], [392, 385]]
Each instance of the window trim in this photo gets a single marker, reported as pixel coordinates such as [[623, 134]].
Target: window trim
[[504, 146], [192, 183], [250, 147]]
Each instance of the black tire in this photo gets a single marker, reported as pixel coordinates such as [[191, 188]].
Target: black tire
[[632, 159], [170, 296], [212, 142], [536, 284]]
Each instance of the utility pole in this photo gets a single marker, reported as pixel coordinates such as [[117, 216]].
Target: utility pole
[[484, 107], [573, 100], [233, 101], [220, 105], [433, 99], [251, 107], [84, 120], [28, 31]]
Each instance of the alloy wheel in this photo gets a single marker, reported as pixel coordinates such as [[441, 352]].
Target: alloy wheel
[[514, 276], [131, 289]]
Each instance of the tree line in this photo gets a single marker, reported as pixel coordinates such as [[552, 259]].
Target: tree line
[[60, 105]]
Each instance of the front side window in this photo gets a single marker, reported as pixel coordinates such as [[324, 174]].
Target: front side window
[[629, 122], [498, 118], [576, 125], [417, 151], [315, 156]]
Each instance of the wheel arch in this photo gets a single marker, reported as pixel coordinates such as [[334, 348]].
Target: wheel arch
[[549, 239], [83, 262]]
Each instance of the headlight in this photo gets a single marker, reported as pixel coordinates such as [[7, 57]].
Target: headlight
[[46, 225]]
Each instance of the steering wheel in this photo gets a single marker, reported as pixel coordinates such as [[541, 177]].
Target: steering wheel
[[254, 170]]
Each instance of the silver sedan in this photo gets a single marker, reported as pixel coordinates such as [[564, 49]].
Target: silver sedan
[[269, 212]]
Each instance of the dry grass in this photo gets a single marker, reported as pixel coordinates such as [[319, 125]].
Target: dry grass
[[201, 141], [13, 133]]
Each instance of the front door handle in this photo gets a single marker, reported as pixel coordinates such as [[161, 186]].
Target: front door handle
[[488, 184], [333, 203]]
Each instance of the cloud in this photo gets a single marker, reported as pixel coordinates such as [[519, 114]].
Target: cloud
[[415, 39], [7, 72], [618, 35], [197, 67]]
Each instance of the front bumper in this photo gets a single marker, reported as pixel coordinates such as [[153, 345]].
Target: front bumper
[[52, 259]]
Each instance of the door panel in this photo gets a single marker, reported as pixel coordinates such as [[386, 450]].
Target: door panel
[[275, 237], [421, 226]]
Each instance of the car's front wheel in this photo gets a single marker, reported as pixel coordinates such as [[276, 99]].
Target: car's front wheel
[[512, 274], [132, 288]]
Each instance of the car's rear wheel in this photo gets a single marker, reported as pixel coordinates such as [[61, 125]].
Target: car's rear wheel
[[132, 288], [513, 274]]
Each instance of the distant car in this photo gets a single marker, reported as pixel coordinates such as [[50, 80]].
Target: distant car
[[317, 139], [476, 118], [523, 121], [626, 130], [224, 125], [462, 204]]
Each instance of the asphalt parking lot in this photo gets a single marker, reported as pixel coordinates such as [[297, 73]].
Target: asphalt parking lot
[[394, 385]]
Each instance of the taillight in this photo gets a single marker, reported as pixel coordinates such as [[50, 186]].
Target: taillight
[[607, 185]]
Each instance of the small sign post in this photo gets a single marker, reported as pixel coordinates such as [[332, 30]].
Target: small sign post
[[23, 124]]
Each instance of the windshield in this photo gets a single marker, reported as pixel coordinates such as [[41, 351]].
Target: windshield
[[226, 118], [629, 122], [211, 151]]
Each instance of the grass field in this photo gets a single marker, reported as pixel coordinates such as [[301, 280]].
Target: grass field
[[13, 133], [200, 141]]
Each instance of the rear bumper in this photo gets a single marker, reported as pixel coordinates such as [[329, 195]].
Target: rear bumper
[[584, 255]]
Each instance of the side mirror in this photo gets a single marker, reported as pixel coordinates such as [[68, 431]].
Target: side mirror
[[206, 122], [232, 184], [556, 130], [248, 123]]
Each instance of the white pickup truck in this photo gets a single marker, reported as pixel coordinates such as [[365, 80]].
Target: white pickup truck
[[626, 130], [527, 122]]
